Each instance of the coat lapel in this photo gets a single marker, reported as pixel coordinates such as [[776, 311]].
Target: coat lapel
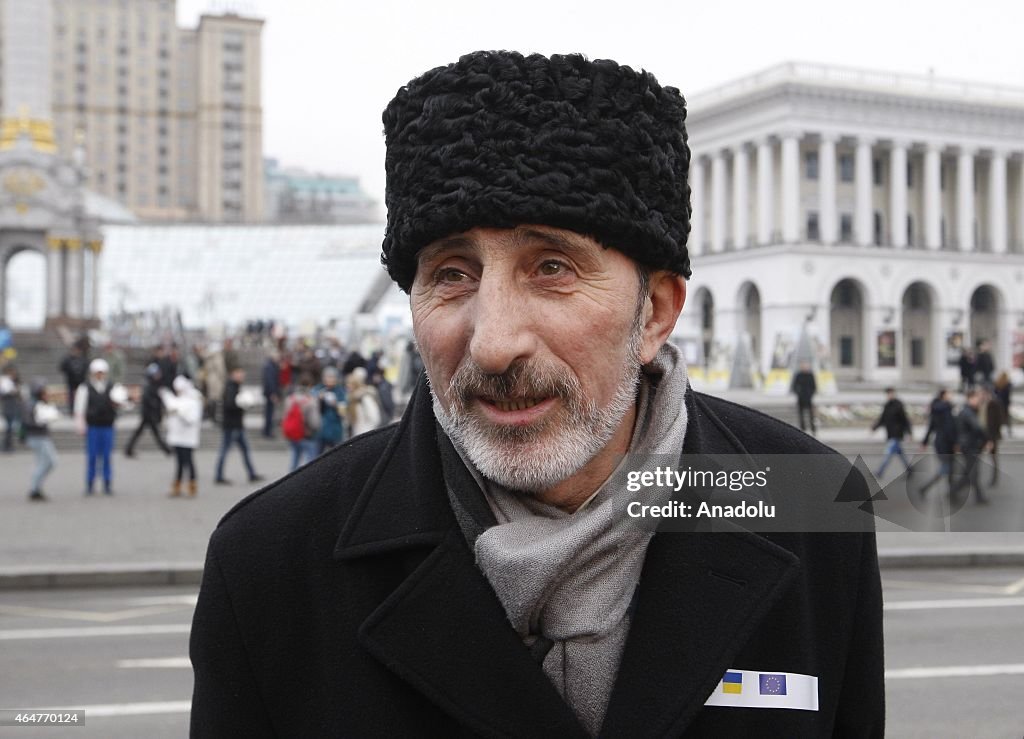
[[443, 630], [700, 597]]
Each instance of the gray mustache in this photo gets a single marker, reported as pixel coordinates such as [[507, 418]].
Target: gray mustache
[[521, 379]]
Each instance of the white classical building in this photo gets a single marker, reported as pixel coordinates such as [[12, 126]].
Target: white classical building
[[873, 220]]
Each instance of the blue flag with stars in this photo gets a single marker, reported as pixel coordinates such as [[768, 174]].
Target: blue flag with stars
[[771, 684]]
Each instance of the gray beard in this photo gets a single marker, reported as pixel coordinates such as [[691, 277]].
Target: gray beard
[[536, 458]]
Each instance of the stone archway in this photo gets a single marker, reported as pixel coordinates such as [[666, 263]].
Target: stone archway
[[749, 300], [706, 304], [984, 322], [23, 288], [916, 357], [846, 329]]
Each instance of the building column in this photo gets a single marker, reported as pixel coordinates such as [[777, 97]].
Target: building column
[[765, 191], [790, 187], [696, 239], [965, 199], [932, 196], [1020, 208], [717, 202], [740, 188], [93, 310], [74, 274], [54, 278], [997, 202], [827, 223], [863, 218], [898, 194]]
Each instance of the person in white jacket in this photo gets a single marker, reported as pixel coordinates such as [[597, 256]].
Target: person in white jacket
[[184, 421]]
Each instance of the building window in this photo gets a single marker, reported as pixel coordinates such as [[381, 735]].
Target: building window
[[910, 175], [910, 229], [845, 351], [845, 228], [878, 228], [811, 165], [876, 172], [846, 167], [812, 226], [942, 175]]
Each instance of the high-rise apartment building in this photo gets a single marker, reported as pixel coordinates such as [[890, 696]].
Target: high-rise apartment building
[[170, 118]]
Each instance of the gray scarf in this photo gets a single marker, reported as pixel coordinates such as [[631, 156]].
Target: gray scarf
[[567, 580]]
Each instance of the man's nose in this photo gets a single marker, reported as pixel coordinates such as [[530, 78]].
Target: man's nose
[[502, 329]]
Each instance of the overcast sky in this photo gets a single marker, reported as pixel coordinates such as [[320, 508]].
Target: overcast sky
[[330, 66]]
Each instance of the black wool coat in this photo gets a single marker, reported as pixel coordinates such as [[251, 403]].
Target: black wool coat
[[344, 601]]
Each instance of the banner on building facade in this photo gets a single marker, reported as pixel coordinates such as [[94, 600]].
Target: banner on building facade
[[886, 349]]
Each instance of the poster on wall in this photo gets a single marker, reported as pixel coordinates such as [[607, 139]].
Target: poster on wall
[[1018, 349], [954, 346], [886, 348]]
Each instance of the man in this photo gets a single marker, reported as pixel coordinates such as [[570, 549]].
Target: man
[[300, 422], [95, 410], [271, 377], [941, 426], [897, 425], [804, 387], [972, 440], [10, 404], [74, 367], [235, 402], [151, 411], [449, 575], [984, 365]]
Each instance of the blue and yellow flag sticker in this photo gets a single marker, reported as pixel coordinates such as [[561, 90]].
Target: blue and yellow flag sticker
[[732, 682]]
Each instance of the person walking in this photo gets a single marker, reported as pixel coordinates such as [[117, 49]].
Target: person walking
[[184, 405], [984, 365], [992, 418], [332, 405], [215, 376], [301, 421], [972, 440], [271, 376], [235, 403], [96, 403], [39, 414], [151, 411], [897, 425], [968, 366], [363, 411], [1003, 389], [74, 367], [941, 426], [804, 387], [10, 405]]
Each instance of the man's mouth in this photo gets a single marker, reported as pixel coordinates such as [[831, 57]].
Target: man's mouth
[[513, 404]]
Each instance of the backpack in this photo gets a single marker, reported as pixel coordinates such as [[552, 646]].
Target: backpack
[[293, 425]]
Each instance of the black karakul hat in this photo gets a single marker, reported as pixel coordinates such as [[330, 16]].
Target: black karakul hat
[[498, 139]]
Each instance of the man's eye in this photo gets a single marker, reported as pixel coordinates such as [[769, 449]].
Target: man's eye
[[450, 274], [553, 269]]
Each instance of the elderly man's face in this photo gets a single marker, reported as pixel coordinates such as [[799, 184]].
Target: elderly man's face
[[532, 339]]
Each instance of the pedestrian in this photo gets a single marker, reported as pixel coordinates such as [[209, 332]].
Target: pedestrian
[[804, 387], [332, 407], [385, 392], [467, 571], [95, 410], [151, 411], [170, 366], [992, 418], [363, 411], [116, 359], [271, 376], [1003, 389], [897, 425], [10, 405], [234, 404], [984, 365], [967, 369], [74, 367], [184, 406], [215, 375], [941, 426], [300, 423], [971, 439], [39, 414]]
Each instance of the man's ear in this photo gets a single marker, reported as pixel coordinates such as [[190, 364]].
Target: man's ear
[[664, 302]]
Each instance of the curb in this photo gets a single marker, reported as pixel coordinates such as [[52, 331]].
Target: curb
[[910, 558], [191, 573], [32, 577]]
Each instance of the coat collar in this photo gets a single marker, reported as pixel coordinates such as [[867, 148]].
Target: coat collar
[[444, 631]]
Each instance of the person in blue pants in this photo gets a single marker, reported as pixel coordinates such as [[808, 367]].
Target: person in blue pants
[[95, 409]]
